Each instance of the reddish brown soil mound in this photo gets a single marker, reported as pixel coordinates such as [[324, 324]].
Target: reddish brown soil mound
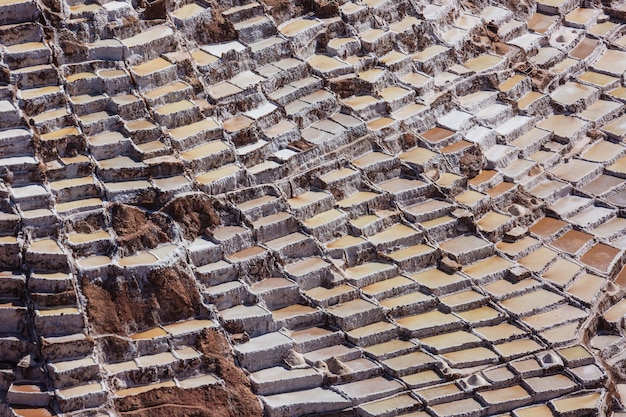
[[134, 303], [193, 213], [234, 399], [218, 29], [89, 224], [137, 230], [471, 162], [155, 10]]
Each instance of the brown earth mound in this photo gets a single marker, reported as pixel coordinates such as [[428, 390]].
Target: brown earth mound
[[128, 304], [136, 230], [218, 29], [194, 213], [88, 224], [233, 399]]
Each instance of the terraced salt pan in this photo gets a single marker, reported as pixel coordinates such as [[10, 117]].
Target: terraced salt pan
[[188, 10]]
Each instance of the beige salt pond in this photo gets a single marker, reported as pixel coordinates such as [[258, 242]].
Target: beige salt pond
[[73, 364], [368, 268], [291, 29], [487, 266], [53, 114], [45, 246], [410, 252], [528, 303], [492, 221], [501, 332], [562, 126], [572, 241], [148, 35], [429, 322], [38, 92], [603, 29], [437, 134], [198, 381], [408, 111], [393, 233], [158, 359], [324, 218], [307, 198], [380, 123], [513, 394], [446, 342], [600, 257], [30, 412], [61, 133], [597, 79], [540, 23], [218, 174], [511, 82], [470, 357], [557, 316], [148, 257], [612, 62], [586, 287], [186, 131], [361, 102], [412, 298], [463, 300], [95, 261], [391, 347], [570, 93], [603, 151], [530, 98], [112, 73], [115, 368], [338, 175], [517, 348], [400, 402], [324, 64], [149, 334], [150, 67], [539, 259], [463, 244], [245, 254], [436, 280], [618, 93], [357, 198], [581, 15], [166, 89], [483, 62], [141, 389], [81, 390], [418, 156], [188, 10], [587, 402], [561, 272], [547, 227], [534, 411], [470, 198], [585, 48], [481, 315], [211, 148], [175, 107], [617, 127], [517, 248], [78, 238], [388, 285], [203, 58]]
